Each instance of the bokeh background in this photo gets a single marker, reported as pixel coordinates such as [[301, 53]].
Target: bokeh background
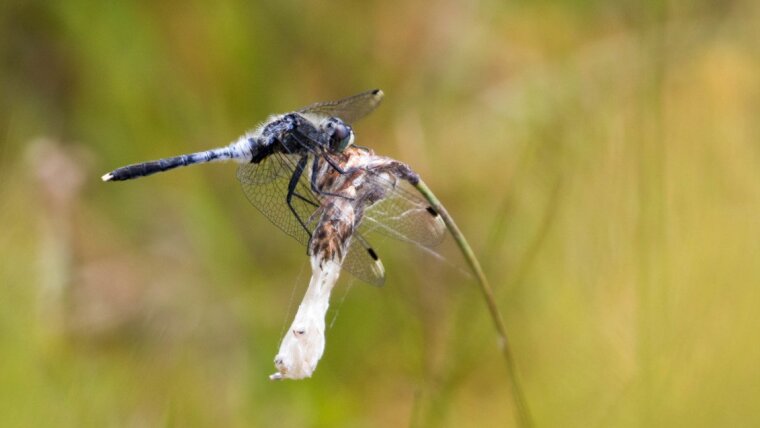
[[602, 157]]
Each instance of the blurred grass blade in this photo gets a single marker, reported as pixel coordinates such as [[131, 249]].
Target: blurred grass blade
[[493, 309]]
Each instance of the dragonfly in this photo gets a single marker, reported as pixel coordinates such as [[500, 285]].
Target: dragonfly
[[284, 163]]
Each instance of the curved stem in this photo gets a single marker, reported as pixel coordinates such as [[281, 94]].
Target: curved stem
[[493, 309]]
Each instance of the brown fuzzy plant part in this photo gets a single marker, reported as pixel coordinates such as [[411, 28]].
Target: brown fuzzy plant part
[[348, 194]]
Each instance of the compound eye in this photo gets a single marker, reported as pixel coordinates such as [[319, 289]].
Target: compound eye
[[341, 132]]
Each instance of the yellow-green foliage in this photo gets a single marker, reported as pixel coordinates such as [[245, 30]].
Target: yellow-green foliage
[[603, 159]]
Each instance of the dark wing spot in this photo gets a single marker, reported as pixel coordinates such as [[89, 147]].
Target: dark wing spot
[[372, 254], [432, 212]]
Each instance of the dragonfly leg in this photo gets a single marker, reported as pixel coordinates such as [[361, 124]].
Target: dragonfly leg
[[365, 148], [316, 189], [311, 148], [333, 164], [291, 191]]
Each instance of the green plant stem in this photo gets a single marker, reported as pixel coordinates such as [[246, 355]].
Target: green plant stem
[[517, 392]]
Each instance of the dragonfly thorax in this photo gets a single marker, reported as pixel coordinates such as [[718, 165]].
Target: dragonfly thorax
[[294, 133], [290, 133]]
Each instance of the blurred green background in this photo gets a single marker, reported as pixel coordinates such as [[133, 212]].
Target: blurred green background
[[602, 157]]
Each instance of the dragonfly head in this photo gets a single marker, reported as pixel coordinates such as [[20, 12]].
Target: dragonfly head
[[340, 135]]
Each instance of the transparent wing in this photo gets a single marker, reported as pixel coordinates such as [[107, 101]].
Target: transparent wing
[[348, 109], [363, 262], [266, 186], [402, 214]]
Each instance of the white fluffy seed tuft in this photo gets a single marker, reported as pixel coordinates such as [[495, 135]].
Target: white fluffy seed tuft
[[304, 344]]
